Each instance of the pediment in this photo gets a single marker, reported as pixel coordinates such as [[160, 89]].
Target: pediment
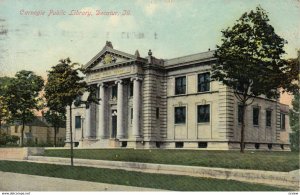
[[109, 59], [109, 56]]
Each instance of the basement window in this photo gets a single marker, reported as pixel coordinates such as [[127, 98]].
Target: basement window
[[124, 144], [257, 146], [270, 146], [158, 144], [202, 144], [179, 144]]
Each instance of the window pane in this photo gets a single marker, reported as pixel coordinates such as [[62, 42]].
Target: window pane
[[268, 118], [179, 115], [282, 121], [204, 82], [77, 122], [180, 85], [203, 113], [255, 116]]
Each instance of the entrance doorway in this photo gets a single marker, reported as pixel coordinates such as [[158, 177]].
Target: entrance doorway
[[113, 123]]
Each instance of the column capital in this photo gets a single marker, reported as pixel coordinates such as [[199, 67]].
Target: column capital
[[119, 81], [136, 78], [101, 85]]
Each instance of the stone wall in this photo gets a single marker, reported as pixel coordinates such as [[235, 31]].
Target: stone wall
[[20, 153]]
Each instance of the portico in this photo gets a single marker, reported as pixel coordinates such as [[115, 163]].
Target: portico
[[116, 120]]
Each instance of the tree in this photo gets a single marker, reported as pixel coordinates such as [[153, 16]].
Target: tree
[[63, 86], [23, 97], [295, 111], [56, 119], [4, 112], [250, 61], [294, 122]]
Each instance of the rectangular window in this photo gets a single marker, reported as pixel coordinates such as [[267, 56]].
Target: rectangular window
[[16, 129], [203, 113], [282, 121], [268, 118], [180, 85], [180, 115], [240, 113], [255, 116], [131, 89], [204, 82], [157, 113], [114, 92], [77, 122]]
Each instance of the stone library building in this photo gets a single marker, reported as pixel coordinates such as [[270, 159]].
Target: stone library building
[[147, 102]]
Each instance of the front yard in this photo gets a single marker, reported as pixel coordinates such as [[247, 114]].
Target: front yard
[[257, 160], [132, 178]]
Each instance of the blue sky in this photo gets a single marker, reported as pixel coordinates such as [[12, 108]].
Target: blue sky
[[170, 28]]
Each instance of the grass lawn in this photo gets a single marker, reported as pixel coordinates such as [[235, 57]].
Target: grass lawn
[[271, 161], [131, 178]]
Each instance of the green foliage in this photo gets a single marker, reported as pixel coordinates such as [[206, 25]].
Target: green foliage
[[250, 58], [56, 119], [8, 139], [294, 123], [22, 95], [4, 83], [254, 160], [133, 178], [31, 143], [4, 112], [63, 85]]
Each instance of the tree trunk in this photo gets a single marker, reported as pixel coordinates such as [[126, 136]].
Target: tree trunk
[[242, 144], [22, 134], [71, 135], [55, 131]]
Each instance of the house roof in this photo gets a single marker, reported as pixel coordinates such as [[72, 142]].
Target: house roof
[[94, 63], [38, 121], [190, 58]]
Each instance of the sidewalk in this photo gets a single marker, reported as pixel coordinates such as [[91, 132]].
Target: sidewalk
[[23, 182]]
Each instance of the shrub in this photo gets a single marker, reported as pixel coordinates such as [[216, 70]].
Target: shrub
[[8, 139]]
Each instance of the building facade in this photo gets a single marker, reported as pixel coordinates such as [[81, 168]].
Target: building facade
[[36, 132], [156, 103]]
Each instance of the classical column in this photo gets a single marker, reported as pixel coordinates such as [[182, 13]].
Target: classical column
[[136, 107], [120, 110], [102, 108], [88, 129]]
